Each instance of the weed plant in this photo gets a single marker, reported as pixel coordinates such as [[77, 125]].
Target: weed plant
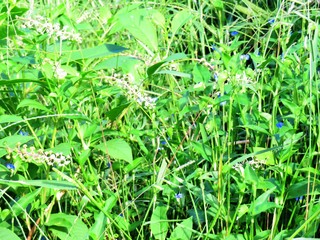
[[159, 119]]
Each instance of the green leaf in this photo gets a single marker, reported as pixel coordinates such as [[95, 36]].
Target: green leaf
[[24, 59], [64, 148], [95, 52], [217, 4], [201, 74], [250, 175], [67, 227], [98, 228], [301, 188], [21, 205], [32, 104], [266, 157], [203, 149], [10, 118], [159, 224], [183, 231], [177, 56], [114, 113], [53, 184], [117, 149], [136, 162], [138, 23], [180, 19], [126, 63], [7, 234], [256, 128], [261, 204], [122, 222]]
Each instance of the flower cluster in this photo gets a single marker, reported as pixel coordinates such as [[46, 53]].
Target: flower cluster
[[243, 78], [252, 162], [38, 156], [43, 26], [133, 91], [57, 69], [86, 15]]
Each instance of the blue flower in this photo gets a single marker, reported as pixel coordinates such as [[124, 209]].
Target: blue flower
[[271, 21], [215, 76], [179, 196], [22, 133], [234, 33], [163, 142], [245, 57], [213, 47], [10, 166], [279, 125], [299, 198]]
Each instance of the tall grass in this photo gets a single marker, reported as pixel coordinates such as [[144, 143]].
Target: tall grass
[[159, 120]]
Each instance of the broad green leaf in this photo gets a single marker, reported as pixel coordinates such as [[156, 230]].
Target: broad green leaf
[[24, 59], [53, 184], [301, 188], [261, 204], [183, 231], [203, 149], [94, 52], [159, 224], [262, 235], [294, 108], [242, 210], [8, 234], [217, 4], [158, 18], [114, 113], [250, 175], [16, 81], [266, 157], [84, 156], [177, 56], [161, 173], [201, 74], [64, 148], [180, 19], [256, 128], [32, 104], [122, 222], [21, 205], [136, 162], [117, 149], [67, 227], [10, 118], [110, 202], [138, 23], [126, 63], [97, 230]]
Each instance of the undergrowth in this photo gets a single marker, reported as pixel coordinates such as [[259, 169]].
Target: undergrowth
[[159, 120]]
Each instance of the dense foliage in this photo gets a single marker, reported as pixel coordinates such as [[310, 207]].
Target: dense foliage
[[159, 120]]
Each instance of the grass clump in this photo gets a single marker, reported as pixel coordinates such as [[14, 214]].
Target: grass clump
[[159, 120]]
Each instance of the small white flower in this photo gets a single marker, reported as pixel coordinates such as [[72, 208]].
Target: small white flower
[[59, 72]]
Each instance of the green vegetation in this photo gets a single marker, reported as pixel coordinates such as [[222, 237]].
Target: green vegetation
[[159, 120]]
